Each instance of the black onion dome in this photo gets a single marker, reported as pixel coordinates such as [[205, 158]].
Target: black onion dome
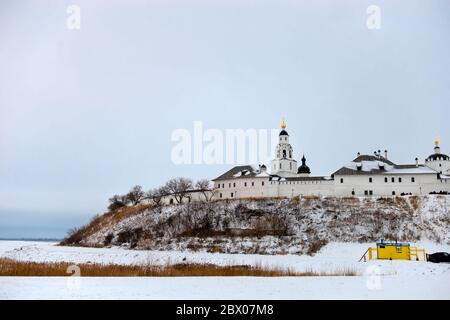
[[283, 133], [437, 156], [303, 168]]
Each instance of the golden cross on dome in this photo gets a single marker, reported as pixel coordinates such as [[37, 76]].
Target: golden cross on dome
[[437, 141]]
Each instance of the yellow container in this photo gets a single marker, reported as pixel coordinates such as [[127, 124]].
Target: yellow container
[[393, 251]]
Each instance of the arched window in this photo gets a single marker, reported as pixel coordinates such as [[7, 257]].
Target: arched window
[[284, 153]]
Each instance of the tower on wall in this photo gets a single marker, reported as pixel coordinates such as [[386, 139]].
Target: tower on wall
[[438, 161], [284, 165]]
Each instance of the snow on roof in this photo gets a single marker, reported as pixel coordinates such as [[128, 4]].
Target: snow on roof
[[415, 170], [242, 173], [376, 166], [368, 165], [263, 174]]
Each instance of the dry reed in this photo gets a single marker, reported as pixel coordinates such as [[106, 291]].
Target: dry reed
[[9, 267]]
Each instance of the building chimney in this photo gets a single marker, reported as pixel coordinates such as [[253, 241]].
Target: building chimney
[[417, 162], [385, 154], [358, 154]]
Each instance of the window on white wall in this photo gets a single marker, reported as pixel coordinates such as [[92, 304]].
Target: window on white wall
[[413, 179]]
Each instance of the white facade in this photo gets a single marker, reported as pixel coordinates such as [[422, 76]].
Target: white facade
[[367, 175]]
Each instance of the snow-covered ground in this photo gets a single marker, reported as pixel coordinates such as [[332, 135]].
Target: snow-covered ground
[[376, 280], [390, 287]]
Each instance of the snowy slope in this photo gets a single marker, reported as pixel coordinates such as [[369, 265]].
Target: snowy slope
[[274, 226]]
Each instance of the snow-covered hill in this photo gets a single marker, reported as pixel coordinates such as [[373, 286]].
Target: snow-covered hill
[[271, 226]]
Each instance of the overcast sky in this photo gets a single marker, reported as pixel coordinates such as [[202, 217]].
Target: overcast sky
[[88, 113]]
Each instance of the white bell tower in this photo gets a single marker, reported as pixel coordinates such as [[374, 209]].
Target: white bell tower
[[438, 161], [283, 164]]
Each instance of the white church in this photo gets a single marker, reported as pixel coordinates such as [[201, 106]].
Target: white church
[[366, 175]]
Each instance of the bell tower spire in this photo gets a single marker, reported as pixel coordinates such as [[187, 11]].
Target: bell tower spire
[[284, 164]]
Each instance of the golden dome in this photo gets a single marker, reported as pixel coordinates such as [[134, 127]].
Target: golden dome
[[283, 124]]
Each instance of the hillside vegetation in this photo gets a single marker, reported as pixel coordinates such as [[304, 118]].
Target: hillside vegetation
[[269, 226]]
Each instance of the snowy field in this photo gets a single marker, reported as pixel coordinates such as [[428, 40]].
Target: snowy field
[[376, 280]]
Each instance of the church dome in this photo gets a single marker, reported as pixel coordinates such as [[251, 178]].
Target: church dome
[[437, 155], [303, 168], [283, 132]]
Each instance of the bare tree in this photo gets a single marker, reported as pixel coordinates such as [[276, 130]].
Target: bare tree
[[179, 188], [136, 195], [117, 201], [205, 188], [156, 195]]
